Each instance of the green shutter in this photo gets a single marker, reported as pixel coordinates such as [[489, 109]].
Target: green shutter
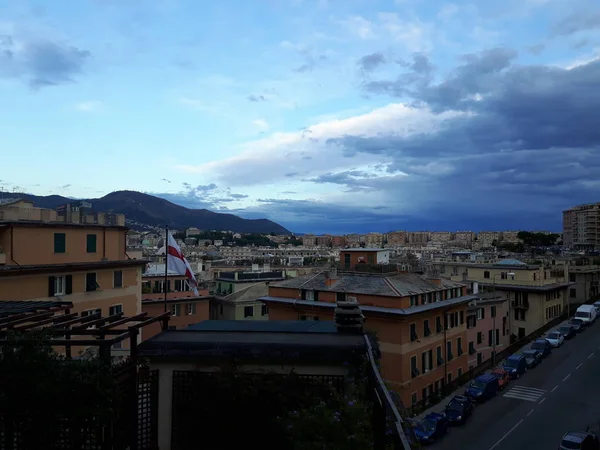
[[91, 243], [60, 242], [68, 284], [51, 287]]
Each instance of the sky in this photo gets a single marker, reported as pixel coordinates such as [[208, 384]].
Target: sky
[[326, 116]]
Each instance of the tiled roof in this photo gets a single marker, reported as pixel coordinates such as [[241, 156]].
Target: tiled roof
[[399, 285], [9, 308], [510, 262]]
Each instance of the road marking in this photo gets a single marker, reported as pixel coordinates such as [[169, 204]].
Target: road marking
[[529, 413], [566, 378], [578, 366], [506, 435], [525, 393], [554, 388], [591, 354], [543, 400]]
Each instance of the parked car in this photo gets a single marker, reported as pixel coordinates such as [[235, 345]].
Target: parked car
[[515, 365], [533, 358], [503, 377], [458, 409], [577, 325], [482, 388], [542, 346], [586, 313], [432, 427], [579, 440], [555, 338], [597, 306], [567, 331]]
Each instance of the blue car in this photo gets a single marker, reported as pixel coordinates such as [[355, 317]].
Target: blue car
[[482, 388], [432, 427], [515, 365], [458, 410]]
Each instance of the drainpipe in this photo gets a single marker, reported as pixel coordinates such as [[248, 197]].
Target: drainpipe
[[12, 246]]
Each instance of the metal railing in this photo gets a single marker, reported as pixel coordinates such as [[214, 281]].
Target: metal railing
[[384, 409]]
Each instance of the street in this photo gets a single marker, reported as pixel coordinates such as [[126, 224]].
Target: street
[[561, 394]]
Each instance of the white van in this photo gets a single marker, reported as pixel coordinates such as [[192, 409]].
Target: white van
[[587, 313]]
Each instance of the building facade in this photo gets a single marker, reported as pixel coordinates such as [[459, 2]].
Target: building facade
[[350, 257], [537, 294], [581, 227], [85, 264], [420, 323], [487, 327]]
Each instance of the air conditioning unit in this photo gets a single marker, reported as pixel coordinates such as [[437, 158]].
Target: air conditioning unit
[[351, 299]]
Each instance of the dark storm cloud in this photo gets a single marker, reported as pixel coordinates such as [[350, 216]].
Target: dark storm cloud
[[372, 61], [40, 63], [579, 21]]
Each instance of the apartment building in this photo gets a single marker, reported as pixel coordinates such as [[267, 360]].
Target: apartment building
[[420, 323], [85, 264], [237, 294], [338, 241], [350, 257], [485, 239], [192, 231], [418, 238], [487, 327], [396, 238], [537, 294], [374, 240], [440, 236], [581, 227], [309, 240]]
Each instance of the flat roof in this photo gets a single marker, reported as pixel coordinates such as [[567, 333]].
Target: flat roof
[[152, 301], [294, 341], [525, 288]]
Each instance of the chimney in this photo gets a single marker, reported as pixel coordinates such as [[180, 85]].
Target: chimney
[[348, 317], [331, 277]]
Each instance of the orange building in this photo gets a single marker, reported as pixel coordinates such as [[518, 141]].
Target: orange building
[[420, 323], [85, 264]]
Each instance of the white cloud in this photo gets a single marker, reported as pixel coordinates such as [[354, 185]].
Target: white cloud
[[360, 26], [414, 35], [89, 106], [261, 125]]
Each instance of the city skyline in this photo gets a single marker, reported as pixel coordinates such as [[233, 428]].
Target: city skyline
[[324, 116]]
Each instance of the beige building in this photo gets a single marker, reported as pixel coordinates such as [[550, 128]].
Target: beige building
[[581, 226], [396, 238], [537, 294]]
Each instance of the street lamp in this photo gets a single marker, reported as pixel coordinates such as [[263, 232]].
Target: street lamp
[[512, 275]]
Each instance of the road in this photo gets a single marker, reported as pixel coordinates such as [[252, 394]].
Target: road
[[533, 413]]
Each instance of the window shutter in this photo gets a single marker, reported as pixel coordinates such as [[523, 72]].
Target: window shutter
[[51, 285], [68, 284]]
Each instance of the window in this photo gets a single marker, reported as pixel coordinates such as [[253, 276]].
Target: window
[[449, 354], [472, 350], [459, 349], [479, 358], [413, 332], [175, 309], [572, 292], [414, 398], [91, 312], [450, 378], [459, 372], [264, 310], [438, 355], [426, 330], [426, 361], [90, 243], [461, 316], [490, 338], [479, 337], [60, 242], [115, 309], [118, 278], [503, 275], [61, 285], [438, 324], [493, 311], [497, 336], [90, 282], [480, 313], [191, 309], [248, 311], [181, 285], [486, 274], [414, 371], [572, 277], [414, 300]]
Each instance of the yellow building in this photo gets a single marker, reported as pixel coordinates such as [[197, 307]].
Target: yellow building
[[85, 264], [537, 294]]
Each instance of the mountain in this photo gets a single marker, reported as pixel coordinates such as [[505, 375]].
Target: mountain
[[153, 211]]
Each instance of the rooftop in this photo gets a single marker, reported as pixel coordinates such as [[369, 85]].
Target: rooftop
[[43, 224], [511, 263], [366, 249], [396, 285], [69, 267]]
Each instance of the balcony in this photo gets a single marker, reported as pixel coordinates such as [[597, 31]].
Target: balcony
[[520, 304]]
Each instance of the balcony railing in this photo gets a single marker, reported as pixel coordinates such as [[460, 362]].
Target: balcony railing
[[520, 304]]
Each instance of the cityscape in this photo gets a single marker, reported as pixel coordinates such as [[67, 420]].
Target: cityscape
[[299, 225]]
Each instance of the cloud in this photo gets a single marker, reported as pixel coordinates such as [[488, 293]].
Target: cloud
[[256, 98], [90, 106], [40, 62], [372, 61], [576, 22], [361, 27], [261, 125]]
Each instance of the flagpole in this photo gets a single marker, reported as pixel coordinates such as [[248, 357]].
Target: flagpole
[[166, 289]]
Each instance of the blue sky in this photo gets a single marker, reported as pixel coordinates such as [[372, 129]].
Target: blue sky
[[323, 115]]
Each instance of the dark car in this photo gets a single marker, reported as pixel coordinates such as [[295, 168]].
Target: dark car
[[533, 358], [459, 409], [542, 346], [579, 440], [482, 388], [432, 427], [515, 365], [577, 325], [567, 331]]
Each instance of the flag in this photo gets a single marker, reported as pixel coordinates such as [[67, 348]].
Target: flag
[[177, 262]]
